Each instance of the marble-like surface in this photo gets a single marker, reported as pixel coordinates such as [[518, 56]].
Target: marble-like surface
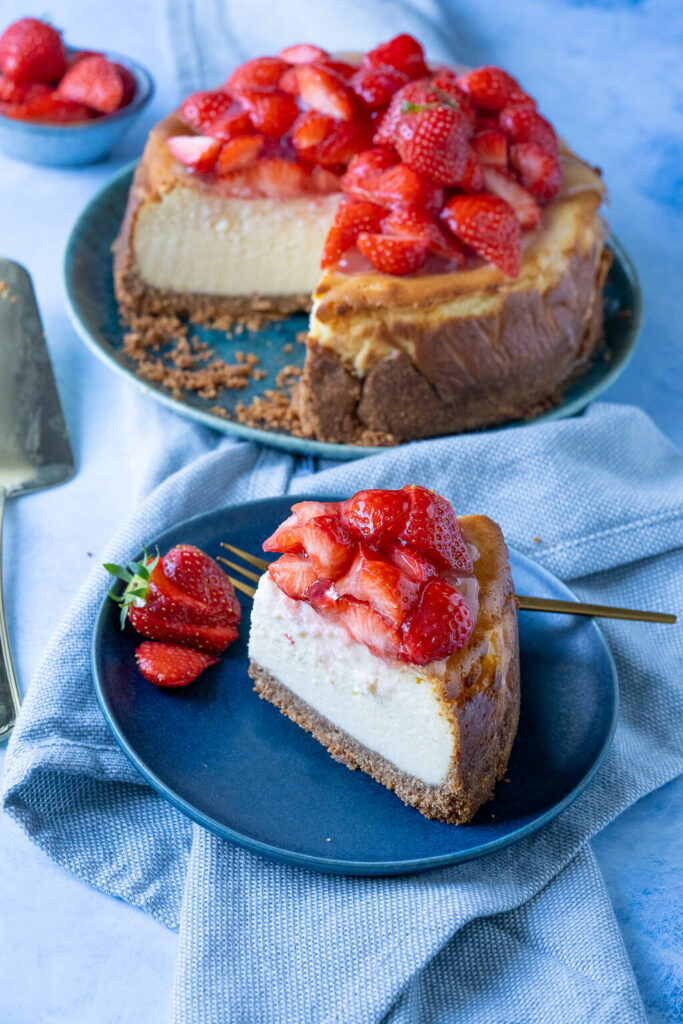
[[606, 72]]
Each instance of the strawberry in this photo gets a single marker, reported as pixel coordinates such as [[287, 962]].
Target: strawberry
[[445, 83], [128, 82], [196, 151], [20, 92], [255, 74], [302, 53], [491, 147], [287, 537], [367, 164], [538, 171], [353, 217], [346, 139], [171, 664], [328, 544], [272, 113], [32, 51], [412, 564], [311, 128], [341, 68], [232, 122], [502, 184], [376, 86], [433, 141], [471, 177], [432, 528], [289, 81], [412, 222], [441, 623], [403, 53], [273, 178], [293, 574], [523, 124], [183, 598], [419, 93], [201, 109], [398, 186], [489, 87], [381, 585], [323, 90], [392, 255], [238, 152], [489, 225], [373, 512], [368, 627], [95, 82], [40, 103], [324, 182]]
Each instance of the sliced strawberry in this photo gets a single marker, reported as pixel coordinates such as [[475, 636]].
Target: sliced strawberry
[[432, 528], [157, 623], [366, 164], [441, 623], [538, 171], [170, 664], [412, 564], [353, 217], [393, 255], [94, 82], [328, 544], [323, 90], [287, 537], [239, 152], [289, 82], [522, 202], [368, 627], [310, 128], [412, 222], [381, 585], [233, 122], [403, 53], [255, 74], [200, 577], [489, 87], [491, 147], [376, 86], [32, 51], [302, 53], [433, 141], [201, 109], [196, 151], [397, 186], [346, 139], [523, 124], [471, 177], [276, 178], [373, 512], [272, 112], [324, 181], [489, 225], [293, 574]]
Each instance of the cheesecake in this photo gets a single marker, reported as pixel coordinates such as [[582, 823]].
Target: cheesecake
[[388, 630], [448, 244]]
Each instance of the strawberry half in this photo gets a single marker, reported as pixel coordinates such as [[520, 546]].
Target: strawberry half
[[489, 225], [171, 664], [293, 574], [328, 544], [196, 151], [393, 255], [368, 627], [229, 125], [255, 74], [201, 109], [381, 585], [376, 86], [272, 113], [373, 512], [403, 53], [432, 528], [502, 184], [491, 147], [94, 82], [323, 90], [287, 537], [311, 128], [412, 222], [367, 164], [302, 53], [538, 171], [398, 186], [522, 123], [353, 217], [441, 623], [489, 87], [241, 151]]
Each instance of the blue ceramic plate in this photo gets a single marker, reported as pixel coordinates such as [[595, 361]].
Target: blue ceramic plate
[[233, 763], [93, 310]]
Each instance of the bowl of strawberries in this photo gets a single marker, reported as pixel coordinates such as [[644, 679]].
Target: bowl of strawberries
[[63, 106]]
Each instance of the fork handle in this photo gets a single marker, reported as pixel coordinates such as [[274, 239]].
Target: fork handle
[[10, 700]]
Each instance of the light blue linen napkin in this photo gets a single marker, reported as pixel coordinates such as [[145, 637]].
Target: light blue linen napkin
[[524, 935]]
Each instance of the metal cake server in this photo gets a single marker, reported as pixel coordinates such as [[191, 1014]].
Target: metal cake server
[[34, 442]]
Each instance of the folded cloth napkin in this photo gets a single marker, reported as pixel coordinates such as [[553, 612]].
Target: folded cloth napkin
[[526, 934]]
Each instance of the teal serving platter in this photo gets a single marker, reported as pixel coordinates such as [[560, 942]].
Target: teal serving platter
[[93, 310], [235, 765]]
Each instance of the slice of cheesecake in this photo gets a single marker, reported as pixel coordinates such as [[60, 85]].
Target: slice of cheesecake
[[388, 630]]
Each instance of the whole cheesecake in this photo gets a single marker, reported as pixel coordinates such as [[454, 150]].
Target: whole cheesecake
[[451, 247], [410, 674]]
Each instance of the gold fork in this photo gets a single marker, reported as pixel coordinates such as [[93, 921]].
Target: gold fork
[[529, 604]]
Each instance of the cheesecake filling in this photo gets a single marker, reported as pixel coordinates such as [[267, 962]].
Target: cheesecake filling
[[392, 708]]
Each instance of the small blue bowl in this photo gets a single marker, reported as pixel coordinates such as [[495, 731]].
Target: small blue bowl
[[69, 145]]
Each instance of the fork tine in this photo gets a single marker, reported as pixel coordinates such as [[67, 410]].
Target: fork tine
[[260, 563], [238, 568], [244, 587]]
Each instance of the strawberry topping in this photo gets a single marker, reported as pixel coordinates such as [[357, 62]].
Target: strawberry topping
[[171, 664], [382, 564]]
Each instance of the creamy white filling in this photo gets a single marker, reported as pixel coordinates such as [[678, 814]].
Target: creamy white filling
[[390, 707], [191, 241]]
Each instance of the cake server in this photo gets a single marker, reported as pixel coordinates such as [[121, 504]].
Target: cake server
[[34, 441]]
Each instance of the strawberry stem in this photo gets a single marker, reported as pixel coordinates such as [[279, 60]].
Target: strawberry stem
[[136, 576]]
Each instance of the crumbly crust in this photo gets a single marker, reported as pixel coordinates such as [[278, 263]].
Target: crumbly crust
[[480, 697]]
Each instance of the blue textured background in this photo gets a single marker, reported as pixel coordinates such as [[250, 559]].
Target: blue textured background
[[609, 74]]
